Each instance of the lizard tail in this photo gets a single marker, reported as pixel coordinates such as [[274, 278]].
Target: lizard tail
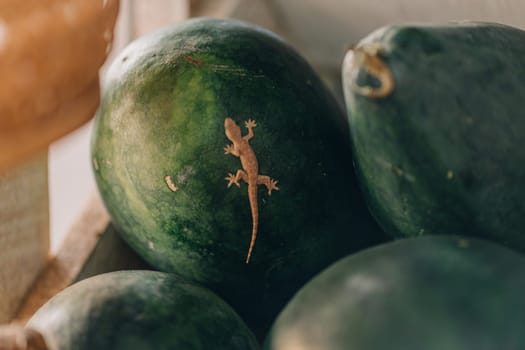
[[252, 194]]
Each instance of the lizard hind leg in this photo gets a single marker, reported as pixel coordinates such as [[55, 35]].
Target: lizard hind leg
[[268, 182], [234, 179]]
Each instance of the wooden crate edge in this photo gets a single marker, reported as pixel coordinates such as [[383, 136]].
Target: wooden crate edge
[[63, 269]]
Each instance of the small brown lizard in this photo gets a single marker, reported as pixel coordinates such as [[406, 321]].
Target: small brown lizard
[[241, 148]]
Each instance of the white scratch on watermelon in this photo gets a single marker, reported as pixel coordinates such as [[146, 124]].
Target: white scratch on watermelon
[[182, 177], [234, 70]]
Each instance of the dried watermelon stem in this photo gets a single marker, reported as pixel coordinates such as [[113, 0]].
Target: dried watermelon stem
[[368, 58]]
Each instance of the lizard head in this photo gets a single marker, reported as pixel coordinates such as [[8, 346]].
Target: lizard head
[[232, 130]]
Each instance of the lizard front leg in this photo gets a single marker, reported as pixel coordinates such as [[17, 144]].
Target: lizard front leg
[[250, 124], [234, 179], [231, 149], [269, 183]]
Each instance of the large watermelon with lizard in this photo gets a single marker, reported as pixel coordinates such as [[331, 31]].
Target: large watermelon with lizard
[[194, 109]]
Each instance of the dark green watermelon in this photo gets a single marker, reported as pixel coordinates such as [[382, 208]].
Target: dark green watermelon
[[140, 310], [159, 154], [437, 125], [432, 293]]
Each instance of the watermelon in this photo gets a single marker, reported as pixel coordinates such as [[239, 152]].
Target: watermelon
[[139, 310], [221, 157], [436, 124], [430, 292]]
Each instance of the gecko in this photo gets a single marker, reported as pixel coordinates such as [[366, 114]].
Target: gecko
[[249, 173]]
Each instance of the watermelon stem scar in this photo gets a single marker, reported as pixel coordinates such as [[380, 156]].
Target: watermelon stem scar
[[367, 58], [249, 173]]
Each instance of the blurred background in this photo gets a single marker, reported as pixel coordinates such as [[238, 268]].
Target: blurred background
[[320, 30]]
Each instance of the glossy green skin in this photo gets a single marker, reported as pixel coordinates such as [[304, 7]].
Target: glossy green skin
[[444, 153], [433, 293], [140, 310], [162, 113]]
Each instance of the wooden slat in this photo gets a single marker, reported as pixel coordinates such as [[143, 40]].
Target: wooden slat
[[92, 247], [62, 269], [111, 254], [24, 231]]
